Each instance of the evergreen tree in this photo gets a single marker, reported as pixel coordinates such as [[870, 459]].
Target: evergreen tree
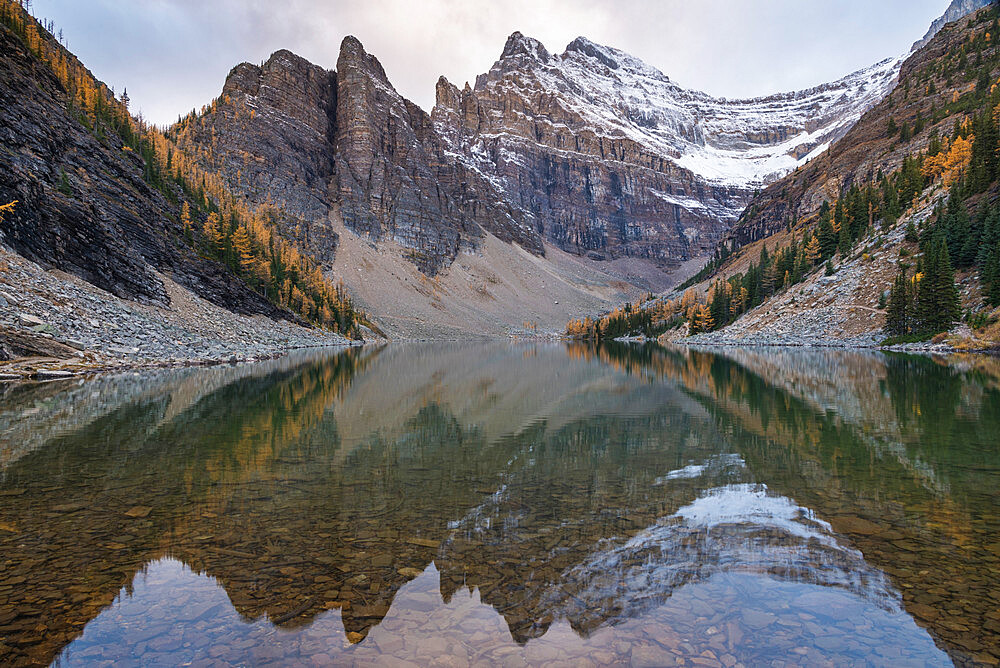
[[989, 275], [905, 134], [827, 238], [800, 267], [925, 286], [938, 305], [950, 305], [844, 243], [898, 311]]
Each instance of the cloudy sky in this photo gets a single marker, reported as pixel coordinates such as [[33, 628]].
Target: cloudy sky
[[173, 55]]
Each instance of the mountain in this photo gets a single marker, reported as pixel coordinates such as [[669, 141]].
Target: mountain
[[116, 245], [917, 172], [608, 157], [559, 183], [360, 176]]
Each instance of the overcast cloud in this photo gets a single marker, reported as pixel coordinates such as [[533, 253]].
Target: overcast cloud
[[173, 55]]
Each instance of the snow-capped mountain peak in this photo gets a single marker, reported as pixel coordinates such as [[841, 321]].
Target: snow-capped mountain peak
[[740, 143], [608, 156]]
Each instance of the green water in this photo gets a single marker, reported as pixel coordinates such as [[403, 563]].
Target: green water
[[495, 504]]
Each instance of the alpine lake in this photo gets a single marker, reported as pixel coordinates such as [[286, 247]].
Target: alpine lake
[[507, 504]]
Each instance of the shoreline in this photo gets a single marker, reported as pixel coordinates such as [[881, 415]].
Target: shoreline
[[920, 347], [47, 369], [56, 325], [908, 348], [89, 363]]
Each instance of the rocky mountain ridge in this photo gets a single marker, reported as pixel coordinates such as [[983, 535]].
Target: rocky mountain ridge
[[592, 151]]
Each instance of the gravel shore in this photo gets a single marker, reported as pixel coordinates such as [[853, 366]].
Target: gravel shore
[[868, 342], [78, 328]]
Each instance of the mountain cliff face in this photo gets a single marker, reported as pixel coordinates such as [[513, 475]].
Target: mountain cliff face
[[312, 141], [395, 179], [609, 157]]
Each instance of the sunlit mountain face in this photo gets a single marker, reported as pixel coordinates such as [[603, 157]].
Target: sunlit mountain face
[[505, 504]]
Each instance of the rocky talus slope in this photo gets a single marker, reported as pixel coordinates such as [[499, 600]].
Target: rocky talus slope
[[841, 310], [53, 325]]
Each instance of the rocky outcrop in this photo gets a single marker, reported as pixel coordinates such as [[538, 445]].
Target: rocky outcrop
[[18, 342], [83, 206], [269, 135], [610, 158]]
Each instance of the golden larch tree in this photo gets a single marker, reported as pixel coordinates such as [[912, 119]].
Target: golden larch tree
[[243, 247], [211, 229], [186, 217], [813, 251]]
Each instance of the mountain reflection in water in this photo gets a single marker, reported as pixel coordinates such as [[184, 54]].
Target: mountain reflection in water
[[179, 615], [506, 504]]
